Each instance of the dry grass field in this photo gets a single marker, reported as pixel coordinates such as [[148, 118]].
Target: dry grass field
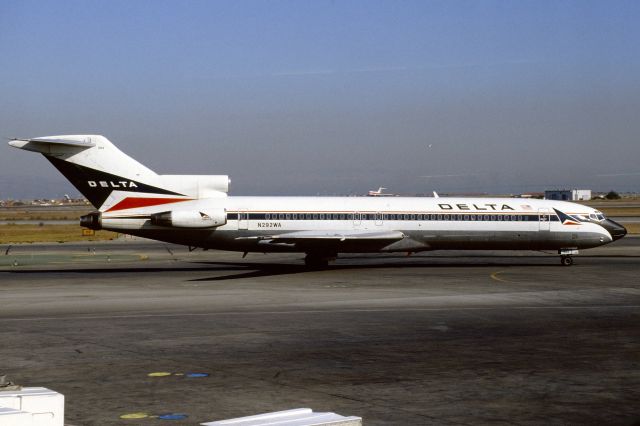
[[620, 211], [12, 234], [17, 215], [633, 228]]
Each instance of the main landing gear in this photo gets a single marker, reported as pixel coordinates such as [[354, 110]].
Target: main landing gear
[[318, 261], [565, 256]]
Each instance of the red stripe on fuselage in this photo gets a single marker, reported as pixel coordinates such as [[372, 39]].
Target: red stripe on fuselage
[[132, 202]]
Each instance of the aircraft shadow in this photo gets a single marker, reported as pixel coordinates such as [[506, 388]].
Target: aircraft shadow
[[257, 269]]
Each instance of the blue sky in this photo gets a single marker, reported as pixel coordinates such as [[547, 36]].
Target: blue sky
[[331, 97]]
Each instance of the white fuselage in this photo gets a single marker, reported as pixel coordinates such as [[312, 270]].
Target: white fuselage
[[427, 223]]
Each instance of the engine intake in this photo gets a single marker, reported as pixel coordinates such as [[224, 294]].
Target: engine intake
[[197, 186], [210, 218]]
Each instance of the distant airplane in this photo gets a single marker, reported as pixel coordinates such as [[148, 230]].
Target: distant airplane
[[196, 211], [379, 193]]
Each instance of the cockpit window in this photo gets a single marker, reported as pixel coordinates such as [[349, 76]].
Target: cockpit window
[[581, 217], [595, 216], [598, 215]]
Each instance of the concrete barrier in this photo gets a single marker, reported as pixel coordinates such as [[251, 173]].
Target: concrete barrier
[[31, 407]]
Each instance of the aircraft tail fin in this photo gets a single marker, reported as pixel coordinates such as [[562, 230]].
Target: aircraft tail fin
[[110, 179]]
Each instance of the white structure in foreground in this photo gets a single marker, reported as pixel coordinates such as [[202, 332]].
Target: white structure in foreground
[[297, 417], [31, 407]]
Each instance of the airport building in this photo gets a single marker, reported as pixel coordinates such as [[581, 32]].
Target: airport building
[[568, 194]]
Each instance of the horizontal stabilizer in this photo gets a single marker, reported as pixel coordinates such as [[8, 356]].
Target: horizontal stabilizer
[[37, 144], [86, 142]]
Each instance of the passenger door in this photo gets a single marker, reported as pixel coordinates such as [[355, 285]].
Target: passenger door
[[243, 219], [544, 219], [379, 218], [356, 219]]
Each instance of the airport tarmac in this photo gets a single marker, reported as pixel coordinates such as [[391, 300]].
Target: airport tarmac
[[438, 338]]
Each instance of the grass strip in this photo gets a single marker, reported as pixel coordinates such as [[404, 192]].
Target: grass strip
[[13, 234]]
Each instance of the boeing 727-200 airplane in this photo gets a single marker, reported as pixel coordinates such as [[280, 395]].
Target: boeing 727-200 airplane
[[196, 211]]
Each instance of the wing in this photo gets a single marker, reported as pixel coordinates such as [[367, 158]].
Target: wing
[[330, 240]]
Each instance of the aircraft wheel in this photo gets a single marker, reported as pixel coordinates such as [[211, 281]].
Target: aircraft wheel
[[566, 260]]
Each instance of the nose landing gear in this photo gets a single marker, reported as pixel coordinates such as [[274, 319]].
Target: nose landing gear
[[565, 256], [566, 260]]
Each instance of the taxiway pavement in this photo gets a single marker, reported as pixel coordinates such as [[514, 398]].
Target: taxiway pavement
[[440, 338]]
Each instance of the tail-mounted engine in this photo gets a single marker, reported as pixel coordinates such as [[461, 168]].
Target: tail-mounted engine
[[92, 220], [190, 218]]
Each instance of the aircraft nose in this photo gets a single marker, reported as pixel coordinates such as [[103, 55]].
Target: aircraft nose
[[616, 230]]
